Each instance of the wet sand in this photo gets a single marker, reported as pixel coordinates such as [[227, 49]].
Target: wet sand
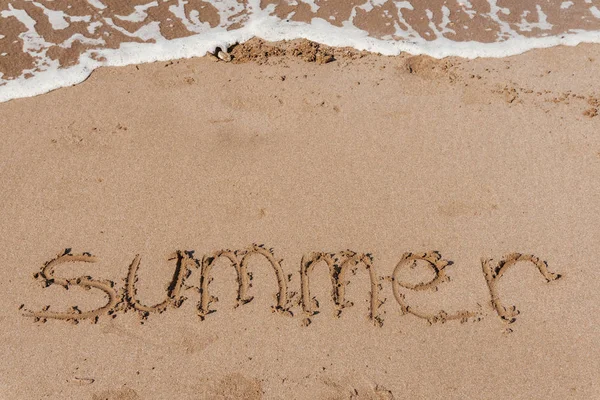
[[35, 37]]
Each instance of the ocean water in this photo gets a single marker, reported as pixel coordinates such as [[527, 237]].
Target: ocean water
[[48, 44]]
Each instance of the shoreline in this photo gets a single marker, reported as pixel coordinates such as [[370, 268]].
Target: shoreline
[[44, 47], [62, 78]]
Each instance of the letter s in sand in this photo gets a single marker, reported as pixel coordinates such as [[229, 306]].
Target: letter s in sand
[[48, 277]]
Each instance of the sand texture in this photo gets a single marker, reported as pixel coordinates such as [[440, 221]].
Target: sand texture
[[305, 223]]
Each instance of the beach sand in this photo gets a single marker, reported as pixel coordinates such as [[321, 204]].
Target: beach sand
[[305, 149]]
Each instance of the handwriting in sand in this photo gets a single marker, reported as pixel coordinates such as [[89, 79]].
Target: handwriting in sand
[[121, 300]]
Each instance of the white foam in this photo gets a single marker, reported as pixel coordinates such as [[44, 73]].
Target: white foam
[[566, 5], [313, 6], [93, 26], [97, 3], [56, 18], [467, 7], [541, 24], [261, 23], [140, 13], [192, 23]]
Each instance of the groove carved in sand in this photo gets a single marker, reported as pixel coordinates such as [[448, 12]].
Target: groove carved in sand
[[174, 296], [493, 271], [437, 264], [47, 277], [338, 265], [239, 260]]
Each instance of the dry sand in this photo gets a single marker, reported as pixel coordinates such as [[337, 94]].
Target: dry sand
[[363, 158]]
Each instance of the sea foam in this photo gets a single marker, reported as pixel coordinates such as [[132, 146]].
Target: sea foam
[[58, 45]]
